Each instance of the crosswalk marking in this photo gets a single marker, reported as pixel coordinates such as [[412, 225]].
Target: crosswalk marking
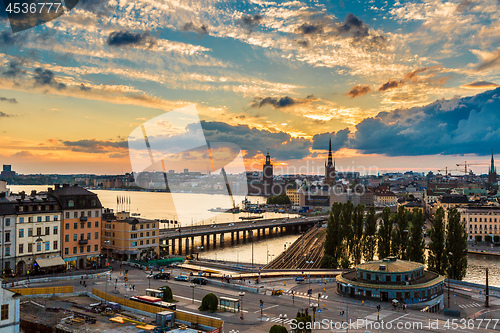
[[278, 320], [470, 305]]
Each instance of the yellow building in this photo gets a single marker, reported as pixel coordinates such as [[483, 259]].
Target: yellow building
[[294, 196], [385, 199], [126, 238], [480, 221]]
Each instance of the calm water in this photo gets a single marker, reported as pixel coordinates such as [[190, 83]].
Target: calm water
[[159, 206]]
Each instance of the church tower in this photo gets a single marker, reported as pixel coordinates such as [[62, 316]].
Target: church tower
[[267, 176], [330, 167], [492, 175]]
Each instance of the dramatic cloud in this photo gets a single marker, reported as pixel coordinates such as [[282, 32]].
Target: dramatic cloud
[[14, 69], [10, 100], [8, 38], [127, 38], [45, 77], [256, 141], [390, 84], [307, 29], [469, 125], [490, 60], [281, 102], [415, 77], [250, 22], [95, 146], [358, 90], [339, 140], [201, 29], [480, 85]]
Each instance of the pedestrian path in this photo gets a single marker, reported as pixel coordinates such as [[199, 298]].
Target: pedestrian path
[[299, 293], [470, 305], [279, 320]]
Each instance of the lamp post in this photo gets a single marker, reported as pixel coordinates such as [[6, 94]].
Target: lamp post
[[149, 280], [283, 318], [309, 291], [449, 270], [107, 242], [241, 294], [193, 285], [314, 307], [347, 288]]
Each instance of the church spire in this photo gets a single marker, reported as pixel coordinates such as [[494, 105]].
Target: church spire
[[492, 167], [330, 163]]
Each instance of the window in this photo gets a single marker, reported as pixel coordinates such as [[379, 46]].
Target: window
[[7, 237], [71, 203], [21, 208], [89, 213], [153, 233], [153, 226], [88, 248], [47, 246], [21, 248], [82, 213], [7, 222], [66, 215], [81, 249], [96, 214], [142, 226], [75, 237], [56, 218], [39, 219], [21, 220], [47, 218], [47, 230], [66, 250], [30, 232], [55, 230], [7, 251], [4, 312], [74, 249], [30, 219], [89, 224], [147, 226], [54, 245], [66, 238], [142, 243], [97, 224], [75, 225], [82, 225], [66, 226], [153, 241], [88, 235], [96, 236], [147, 234], [82, 235], [142, 234], [113, 234], [147, 241], [133, 236], [133, 244], [38, 247], [38, 231], [96, 247], [75, 215], [30, 247]]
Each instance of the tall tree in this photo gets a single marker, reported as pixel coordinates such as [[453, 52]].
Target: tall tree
[[416, 246], [402, 232], [357, 233], [346, 222], [456, 246], [333, 240], [369, 236], [437, 251], [384, 234]]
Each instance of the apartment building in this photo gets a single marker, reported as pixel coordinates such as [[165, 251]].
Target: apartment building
[[385, 199], [125, 237], [480, 221], [80, 225], [9, 311], [7, 235]]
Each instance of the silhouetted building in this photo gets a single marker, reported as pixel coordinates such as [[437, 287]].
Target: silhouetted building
[[492, 175], [267, 176], [330, 167], [7, 171]]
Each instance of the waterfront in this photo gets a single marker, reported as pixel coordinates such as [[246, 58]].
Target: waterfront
[[147, 203]]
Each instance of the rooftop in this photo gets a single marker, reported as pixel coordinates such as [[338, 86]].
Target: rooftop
[[392, 265]]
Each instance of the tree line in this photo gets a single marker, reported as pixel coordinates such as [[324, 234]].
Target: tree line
[[353, 237]]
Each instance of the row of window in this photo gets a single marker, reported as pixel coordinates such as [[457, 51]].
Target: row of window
[[31, 219], [82, 249], [82, 214], [132, 244], [388, 277], [34, 208], [82, 225], [82, 202], [481, 219], [82, 236], [485, 226], [55, 231], [39, 245], [134, 227]]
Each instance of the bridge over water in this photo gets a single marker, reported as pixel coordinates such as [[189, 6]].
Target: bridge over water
[[173, 239]]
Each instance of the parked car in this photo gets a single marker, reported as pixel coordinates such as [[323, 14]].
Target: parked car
[[199, 280], [231, 224], [161, 276], [181, 278]]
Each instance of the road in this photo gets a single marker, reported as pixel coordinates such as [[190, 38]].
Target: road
[[331, 305]]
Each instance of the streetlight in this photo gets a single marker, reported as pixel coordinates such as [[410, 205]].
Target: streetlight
[[449, 269], [149, 280], [193, 285], [347, 288], [107, 242], [283, 318], [242, 293], [310, 290], [314, 307]]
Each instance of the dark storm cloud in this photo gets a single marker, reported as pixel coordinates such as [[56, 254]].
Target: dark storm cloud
[[8, 38], [14, 69], [339, 140], [45, 77], [199, 29], [256, 141], [250, 22], [280, 102], [128, 38], [9, 100], [307, 29], [469, 125], [358, 90], [390, 85], [95, 146], [354, 27]]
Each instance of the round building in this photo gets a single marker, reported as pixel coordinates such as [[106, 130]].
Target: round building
[[394, 279]]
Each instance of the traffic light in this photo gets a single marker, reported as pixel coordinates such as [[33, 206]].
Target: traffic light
[[378, 307], [261, 302], [309, 292]]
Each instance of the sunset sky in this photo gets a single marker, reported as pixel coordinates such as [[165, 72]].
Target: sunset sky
[[388, 81]]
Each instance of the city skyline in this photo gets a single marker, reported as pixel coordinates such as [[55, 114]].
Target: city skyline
[[400, 86]]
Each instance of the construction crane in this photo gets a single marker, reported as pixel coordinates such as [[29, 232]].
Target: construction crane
[[445, 171], [465, 165]]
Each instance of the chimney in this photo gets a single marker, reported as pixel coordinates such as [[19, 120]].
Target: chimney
[[33, 193], [50, 190], [57, 186]]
